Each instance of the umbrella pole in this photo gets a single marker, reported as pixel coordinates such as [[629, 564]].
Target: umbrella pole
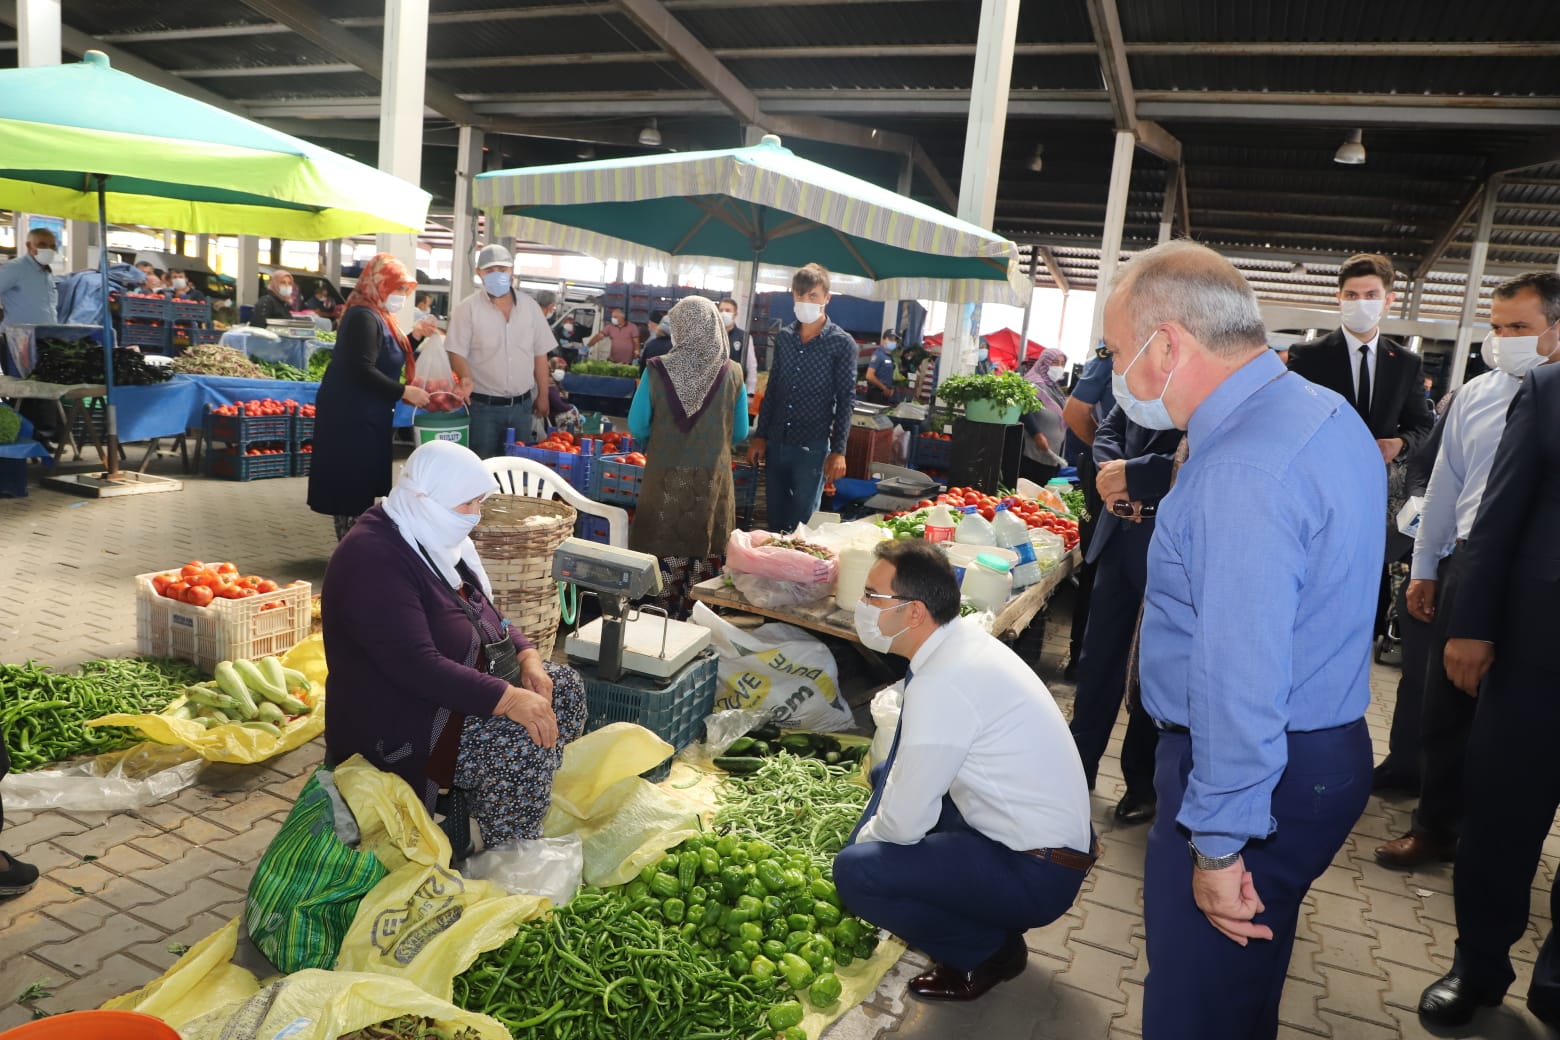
[[110, 419]]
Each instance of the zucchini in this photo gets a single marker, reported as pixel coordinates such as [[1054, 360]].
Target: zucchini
[[264, 727], [741, 746], [230, 677], [739, 763], [768, 731], [271, 713]]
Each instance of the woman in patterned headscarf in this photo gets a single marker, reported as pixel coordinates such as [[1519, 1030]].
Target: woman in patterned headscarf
[[691, 407], [350, 466]]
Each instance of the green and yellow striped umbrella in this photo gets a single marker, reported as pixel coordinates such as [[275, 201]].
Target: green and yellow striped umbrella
[[760, 203], [170, 161]]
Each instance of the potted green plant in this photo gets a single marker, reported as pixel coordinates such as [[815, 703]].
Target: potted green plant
[[994, 399]]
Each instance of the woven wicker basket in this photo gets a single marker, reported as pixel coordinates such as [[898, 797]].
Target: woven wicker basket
[[515, 540]]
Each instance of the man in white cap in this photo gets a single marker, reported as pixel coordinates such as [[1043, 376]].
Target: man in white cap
[[498, 343]]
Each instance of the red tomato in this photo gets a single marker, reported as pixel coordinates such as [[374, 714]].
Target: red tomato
[[267, 586], [193, 567], [199, 596], [176, 590]]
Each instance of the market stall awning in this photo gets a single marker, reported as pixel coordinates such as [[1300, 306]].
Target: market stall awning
[[171, 161], [759, 203]]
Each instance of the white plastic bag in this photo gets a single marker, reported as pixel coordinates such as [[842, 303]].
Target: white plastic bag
[[547, 867], [724, 728], [434, 373], [885, 716], [1408, 516], [116, 782], [773, 592], [779, 669]]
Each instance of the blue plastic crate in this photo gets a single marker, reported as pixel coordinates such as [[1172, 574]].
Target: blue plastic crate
[[593, 528], [196, 311], [198, 336], [244, 430], [575, 469], [233, 464], [674, 711], [616, 482], [154, 308], [932, 452], [159, 337], [301, 461]]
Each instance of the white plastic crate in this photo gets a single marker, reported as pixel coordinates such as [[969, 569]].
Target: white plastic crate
[[226, 630]]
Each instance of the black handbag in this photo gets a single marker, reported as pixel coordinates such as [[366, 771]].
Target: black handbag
[[499, 658]]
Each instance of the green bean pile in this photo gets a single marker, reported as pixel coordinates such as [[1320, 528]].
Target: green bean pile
[[597, 968], [795, 803], [42, 712]]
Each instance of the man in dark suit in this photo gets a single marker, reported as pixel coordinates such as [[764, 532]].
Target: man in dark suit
[[1501, 650], [1135, 465], [1384, 381]]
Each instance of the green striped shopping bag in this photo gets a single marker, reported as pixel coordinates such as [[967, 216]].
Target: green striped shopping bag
[[310, 881]]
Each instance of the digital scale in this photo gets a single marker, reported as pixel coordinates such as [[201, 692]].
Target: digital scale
[[625, 638], [867, 416]]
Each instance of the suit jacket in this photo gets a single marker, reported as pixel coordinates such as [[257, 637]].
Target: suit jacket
[[1512, 549], [1397, 395], [1149, 455]]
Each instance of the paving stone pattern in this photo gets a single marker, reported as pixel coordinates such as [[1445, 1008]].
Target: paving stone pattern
[[121, 891]]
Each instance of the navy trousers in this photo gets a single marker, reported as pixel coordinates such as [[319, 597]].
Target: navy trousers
[[956, 894], [1513, 791], [1201, 984], [1119, 578], [794, 483]]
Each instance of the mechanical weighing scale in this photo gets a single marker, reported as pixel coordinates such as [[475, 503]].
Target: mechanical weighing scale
[[623, 639]]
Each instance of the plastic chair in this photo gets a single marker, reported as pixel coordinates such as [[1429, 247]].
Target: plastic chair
[[529, 477]]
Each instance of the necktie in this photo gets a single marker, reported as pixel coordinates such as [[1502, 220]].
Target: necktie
[[1362, 398], [888, 765]]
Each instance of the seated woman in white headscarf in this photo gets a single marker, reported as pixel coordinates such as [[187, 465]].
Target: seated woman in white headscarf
[[427, 680], [690, 408]]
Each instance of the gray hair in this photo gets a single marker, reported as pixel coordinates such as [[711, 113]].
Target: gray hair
[[1196, 288], [546, 298], [36, 235]]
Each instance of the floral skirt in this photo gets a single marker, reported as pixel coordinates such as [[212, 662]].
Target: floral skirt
[[679, 574], [509, 777]]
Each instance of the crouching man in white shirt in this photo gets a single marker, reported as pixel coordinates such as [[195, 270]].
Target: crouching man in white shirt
[[979, 814]]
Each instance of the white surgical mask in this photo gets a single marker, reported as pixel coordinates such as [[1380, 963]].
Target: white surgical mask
[[1516, 355], [617, 321], [46, 257], [568, 329], [558, 375], [983, 353], [728, 319], [1056, 372], [1489, 353], [394, 302], [496, 283], [889, 344], [1360, 316], [808, 312], [470, 520], [180, 284], [867, 619], [1151, 415]]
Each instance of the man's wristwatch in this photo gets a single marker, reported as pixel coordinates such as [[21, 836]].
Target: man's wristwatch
[[1202, 862]]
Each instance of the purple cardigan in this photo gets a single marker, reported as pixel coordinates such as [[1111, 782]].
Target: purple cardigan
[[400, 652]]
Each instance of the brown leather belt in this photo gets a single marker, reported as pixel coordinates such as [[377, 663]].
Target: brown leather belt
[[1069, 858]]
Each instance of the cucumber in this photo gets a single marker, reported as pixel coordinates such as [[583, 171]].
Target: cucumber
[[739, 764]]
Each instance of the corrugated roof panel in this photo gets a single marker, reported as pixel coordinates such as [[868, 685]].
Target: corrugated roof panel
[[1504, 76], [114, 16], [563, 33], [1381, 20], [885, 25], [623, 79], [219, 53], [271, 88], [886, 73], [1055, 72], [1056, 21]]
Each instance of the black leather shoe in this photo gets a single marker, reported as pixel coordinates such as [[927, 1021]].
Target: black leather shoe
[[1135, 809], [1449, 1001], [944, 982]]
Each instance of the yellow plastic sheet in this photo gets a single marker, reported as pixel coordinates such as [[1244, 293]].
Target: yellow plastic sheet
[[622, 820], [199, 981], [322, 1005], [423, 923], [235, 743]]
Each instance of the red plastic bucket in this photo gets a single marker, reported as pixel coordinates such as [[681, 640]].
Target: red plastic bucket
[[94, 1025]]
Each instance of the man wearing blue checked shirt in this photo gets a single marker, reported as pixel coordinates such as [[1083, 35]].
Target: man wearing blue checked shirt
[[1255, 644]]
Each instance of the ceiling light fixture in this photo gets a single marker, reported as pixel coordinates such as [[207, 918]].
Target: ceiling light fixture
[[1352, 151], [587, 151], [650, 136], [1037, 161]]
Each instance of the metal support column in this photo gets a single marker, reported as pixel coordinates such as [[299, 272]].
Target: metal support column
[[1416, 299], [38, 44], [982, 161], [203, 249], [248, 270], [1476, 261], [331, 270], [401, 108], [468, 163], [1115, 222], [1173, 177]]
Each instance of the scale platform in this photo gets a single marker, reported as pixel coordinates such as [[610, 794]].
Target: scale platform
[[642, 644]]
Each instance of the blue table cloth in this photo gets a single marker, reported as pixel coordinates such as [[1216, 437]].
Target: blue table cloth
[[168, 409]]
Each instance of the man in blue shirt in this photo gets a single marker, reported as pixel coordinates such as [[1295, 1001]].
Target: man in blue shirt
[[27, 292], [1086, 408], [880, 370], [805, 417], [1256, 642]]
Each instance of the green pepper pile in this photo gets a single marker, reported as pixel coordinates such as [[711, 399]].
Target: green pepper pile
[[42, 712]]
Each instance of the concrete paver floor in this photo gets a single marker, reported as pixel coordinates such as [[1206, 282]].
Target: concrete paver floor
[[120, 889]]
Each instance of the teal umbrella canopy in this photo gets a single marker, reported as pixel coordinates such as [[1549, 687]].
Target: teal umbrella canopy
[[762, 203]]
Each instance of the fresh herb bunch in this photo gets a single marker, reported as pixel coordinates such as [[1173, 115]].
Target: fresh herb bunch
[[319, 361], [1007, 390], [283, 371], [604, 368]]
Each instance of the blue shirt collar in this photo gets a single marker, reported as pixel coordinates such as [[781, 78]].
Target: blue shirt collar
[[1246, 380]]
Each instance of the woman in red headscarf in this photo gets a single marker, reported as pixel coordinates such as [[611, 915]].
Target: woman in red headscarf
[[356, 404]]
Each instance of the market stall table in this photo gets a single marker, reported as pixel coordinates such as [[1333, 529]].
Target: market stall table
[[824, 617], [69, 403]]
